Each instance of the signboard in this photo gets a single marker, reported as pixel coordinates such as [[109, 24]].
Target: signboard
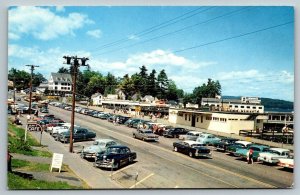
[[57, 160], [34, 127]]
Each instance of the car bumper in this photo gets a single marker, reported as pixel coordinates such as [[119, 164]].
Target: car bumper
[[150, 139], [104, 164], [89, 155], [208, 155], [263, 159]]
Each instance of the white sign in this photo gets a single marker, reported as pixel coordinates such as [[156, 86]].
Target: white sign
[[57, 160]]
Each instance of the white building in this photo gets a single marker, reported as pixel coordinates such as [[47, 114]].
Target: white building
[[226, 122], [245, 104], [60, 83], [97, 99]]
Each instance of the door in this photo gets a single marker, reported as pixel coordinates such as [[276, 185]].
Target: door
[[193, 120]]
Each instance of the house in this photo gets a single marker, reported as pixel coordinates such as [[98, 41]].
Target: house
[[121, 94], [111, 97], [97, 99], [42, 87], [148, 99], [60, 83]]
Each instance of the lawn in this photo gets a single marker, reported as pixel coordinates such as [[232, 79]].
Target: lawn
[[17, 144]]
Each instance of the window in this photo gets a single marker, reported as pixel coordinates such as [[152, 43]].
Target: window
[[189, 117], [56, 83], [254, 107], [236, 106], [201, 119], [242, 106], [248, 106], [260, 108], [185, 117], [197, 119], [230, 106]]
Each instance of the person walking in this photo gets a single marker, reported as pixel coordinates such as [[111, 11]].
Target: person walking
[[250, 156]]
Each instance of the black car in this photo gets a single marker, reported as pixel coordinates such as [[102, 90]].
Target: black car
[[192, 148], [175, 132], [123, 119], [115, 157], [224, 143]]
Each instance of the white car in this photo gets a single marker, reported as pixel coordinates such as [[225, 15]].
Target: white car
[[286, 163], [191, 135], [273, 155]]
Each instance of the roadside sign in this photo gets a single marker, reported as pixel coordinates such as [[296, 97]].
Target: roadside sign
[[57, 160], [34, 127]]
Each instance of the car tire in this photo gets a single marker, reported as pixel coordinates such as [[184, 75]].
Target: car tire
[[191, 154]]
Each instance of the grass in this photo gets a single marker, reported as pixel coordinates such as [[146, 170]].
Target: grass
[[16, 182], [17, 144], [29, 166]]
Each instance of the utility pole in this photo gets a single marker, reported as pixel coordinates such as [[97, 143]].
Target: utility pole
[[14, 86], [74, 62], [30, 92]]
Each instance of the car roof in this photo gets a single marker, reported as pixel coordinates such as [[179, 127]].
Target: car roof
[[280, 149], [243, 142], [104, 140], [259, 146], [190, 142], [195, 132]]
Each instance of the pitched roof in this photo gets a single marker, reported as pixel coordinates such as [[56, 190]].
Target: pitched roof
[[95, 95], [61, 77]]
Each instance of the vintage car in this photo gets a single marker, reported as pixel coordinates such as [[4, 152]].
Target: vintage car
[[191, 148], [80, 134], [98, 146], [224, 143], [207, 139], [244, 152], [175, 132], [191, 135], [286, 162], [54, 130], [145, 135], [238, 144], [115, 157], [273, 155]]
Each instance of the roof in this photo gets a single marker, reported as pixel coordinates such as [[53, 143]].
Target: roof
[[259, 146], [96, 95], [190, 142], [104, 140], [243, 142], [61, 77], [280, 150]]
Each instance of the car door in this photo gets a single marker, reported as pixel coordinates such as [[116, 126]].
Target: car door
[[123, 156], [186, 148]]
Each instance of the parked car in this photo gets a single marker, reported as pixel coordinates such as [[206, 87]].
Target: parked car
[[54, 131], [98, 146], [273, 155], [286, 162], [104, 115], [238, 144], [224, 143], [207, 139], [244, 152], [191, 135], [115, 157], [123, 119], [191, 148], [175, 132], [80, 134], [44, 110], [145, 135]]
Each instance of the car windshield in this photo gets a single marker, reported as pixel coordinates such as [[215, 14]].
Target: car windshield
[[274, 152]]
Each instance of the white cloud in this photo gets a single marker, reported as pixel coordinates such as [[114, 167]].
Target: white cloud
[[43, 24], [60, 9], [95, 33]]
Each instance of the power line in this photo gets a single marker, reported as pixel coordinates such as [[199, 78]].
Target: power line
[[174, 32], [153, 28], [233, 37]]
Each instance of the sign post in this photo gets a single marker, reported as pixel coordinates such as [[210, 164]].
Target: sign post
[[57, 160], [33, 126]]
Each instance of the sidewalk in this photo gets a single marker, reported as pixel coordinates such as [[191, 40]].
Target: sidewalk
[[94, 177]]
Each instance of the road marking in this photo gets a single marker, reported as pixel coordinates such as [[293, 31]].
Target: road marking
[[183, 156], [142, 180], [123, 169]]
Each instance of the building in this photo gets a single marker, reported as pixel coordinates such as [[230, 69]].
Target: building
[[42, 87], [148, 99], [245, 104], [121, 94], [97, 99], [226, 122], [60, 83]]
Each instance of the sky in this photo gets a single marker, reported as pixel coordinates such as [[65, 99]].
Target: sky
[[249, 50]]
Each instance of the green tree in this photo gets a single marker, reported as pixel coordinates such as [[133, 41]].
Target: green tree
[[152, 84], [111, 84], [143, 81], [162, 81], [63, 70]]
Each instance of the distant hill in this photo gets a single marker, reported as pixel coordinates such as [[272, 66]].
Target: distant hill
[[271, 104]]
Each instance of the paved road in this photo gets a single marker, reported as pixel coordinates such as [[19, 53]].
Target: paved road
[[159, 167]]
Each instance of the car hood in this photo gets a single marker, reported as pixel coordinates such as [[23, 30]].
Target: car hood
[[94, 149]]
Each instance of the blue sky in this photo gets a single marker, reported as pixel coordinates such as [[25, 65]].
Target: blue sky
[[260, 64]]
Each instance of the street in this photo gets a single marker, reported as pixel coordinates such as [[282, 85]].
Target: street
[[158, 166]]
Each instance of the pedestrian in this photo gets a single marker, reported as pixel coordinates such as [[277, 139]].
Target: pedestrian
[[117, 121], [28, 117], [250, 156], [9, 156]]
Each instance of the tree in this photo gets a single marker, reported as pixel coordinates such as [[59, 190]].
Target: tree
[[152, 84], [143, 80], [37, 79], [20, 77], [111, 84], [63, 70], [162, 81]]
